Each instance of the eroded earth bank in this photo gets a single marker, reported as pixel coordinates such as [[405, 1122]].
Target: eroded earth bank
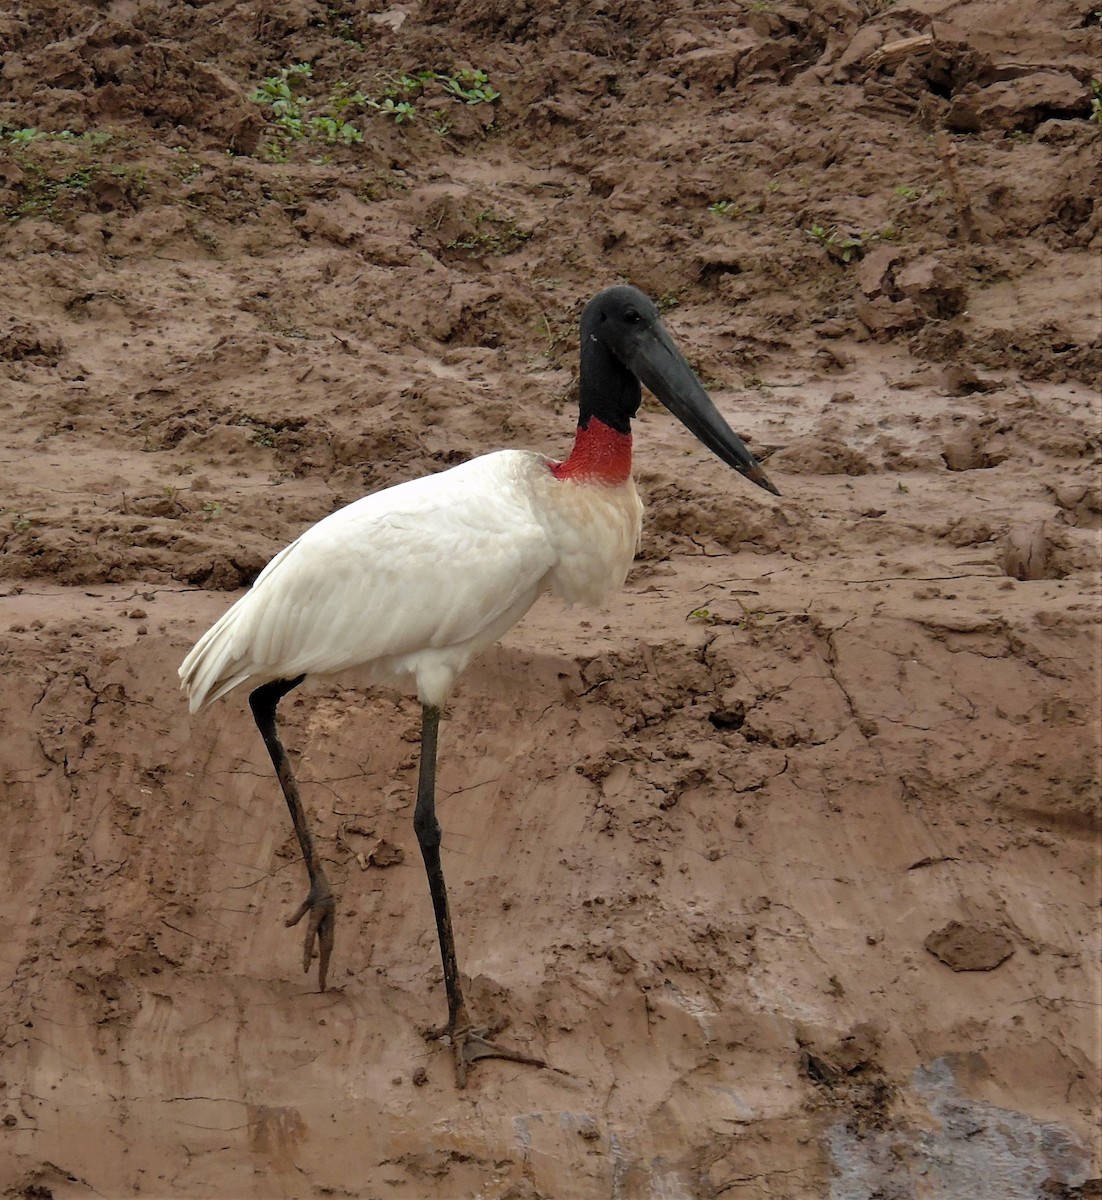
[[789, 860]]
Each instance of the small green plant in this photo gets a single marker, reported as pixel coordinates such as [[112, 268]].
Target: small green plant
[[287, 109], [374, 188], [211, 510], [43, 195], [296, 117], [278, 90], [19, 522], [907, 191], [748, 620], [1096, 92], [400, 110], [345, 97], [471, 86], [556, 335], [276, 151], [843, 246], [261, 435], [290, 111], [493, 234], [400, 96], [24, 137], [344, 28], [189, 169], [406, 86], [207, 239], [731, 210], [333, 129]]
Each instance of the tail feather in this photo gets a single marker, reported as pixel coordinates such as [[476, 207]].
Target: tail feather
[[215, 665], [253, 640]]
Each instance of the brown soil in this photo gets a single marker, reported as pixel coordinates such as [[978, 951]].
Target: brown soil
[[789, 861]]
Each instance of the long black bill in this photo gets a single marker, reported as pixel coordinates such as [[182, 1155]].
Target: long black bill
[[658, 363]]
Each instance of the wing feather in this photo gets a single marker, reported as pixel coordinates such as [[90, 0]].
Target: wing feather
[[434, 563]]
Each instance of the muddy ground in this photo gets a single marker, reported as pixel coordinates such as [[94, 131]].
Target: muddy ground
[[789, 860]]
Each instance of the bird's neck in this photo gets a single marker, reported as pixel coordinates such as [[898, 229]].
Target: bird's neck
[[601, 454]]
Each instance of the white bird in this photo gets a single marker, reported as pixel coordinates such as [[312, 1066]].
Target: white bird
[[409, 584]]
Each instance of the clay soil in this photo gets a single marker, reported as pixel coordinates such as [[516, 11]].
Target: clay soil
[[788, 861]]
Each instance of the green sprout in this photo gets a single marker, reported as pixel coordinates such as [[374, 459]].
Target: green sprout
[[400, 110], [845, 247], [469, 86]]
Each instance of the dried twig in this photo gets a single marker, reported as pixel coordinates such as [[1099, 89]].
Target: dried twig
[[948, 154], [893, 53]]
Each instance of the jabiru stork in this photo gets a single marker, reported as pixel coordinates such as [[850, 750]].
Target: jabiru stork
[[410, 583]]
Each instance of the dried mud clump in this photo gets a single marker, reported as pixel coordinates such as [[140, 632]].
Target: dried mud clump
[[20, 342], [970, 946], [893, 296], [112, 72]]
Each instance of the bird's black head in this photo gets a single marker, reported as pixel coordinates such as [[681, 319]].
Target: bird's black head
[[612, 322], [624, 343]]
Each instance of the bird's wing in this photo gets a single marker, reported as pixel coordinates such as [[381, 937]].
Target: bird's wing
[[427, 565]]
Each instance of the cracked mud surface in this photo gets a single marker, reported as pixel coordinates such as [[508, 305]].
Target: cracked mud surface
[[789, 859]]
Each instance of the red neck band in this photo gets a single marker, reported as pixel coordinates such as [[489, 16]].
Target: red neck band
[[600, 455]]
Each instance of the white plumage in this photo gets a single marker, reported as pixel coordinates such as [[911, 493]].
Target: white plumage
[[410, 583]]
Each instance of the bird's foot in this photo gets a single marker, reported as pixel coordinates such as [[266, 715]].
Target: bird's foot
[[322, 907], [470, 1045]]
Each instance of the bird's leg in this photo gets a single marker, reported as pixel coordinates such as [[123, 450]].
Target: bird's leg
[[468, 1045], [319, 902]]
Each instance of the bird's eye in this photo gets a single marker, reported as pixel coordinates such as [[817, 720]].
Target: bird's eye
[[632, 316]]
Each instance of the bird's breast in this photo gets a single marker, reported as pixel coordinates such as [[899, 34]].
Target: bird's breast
[[594, 528]]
